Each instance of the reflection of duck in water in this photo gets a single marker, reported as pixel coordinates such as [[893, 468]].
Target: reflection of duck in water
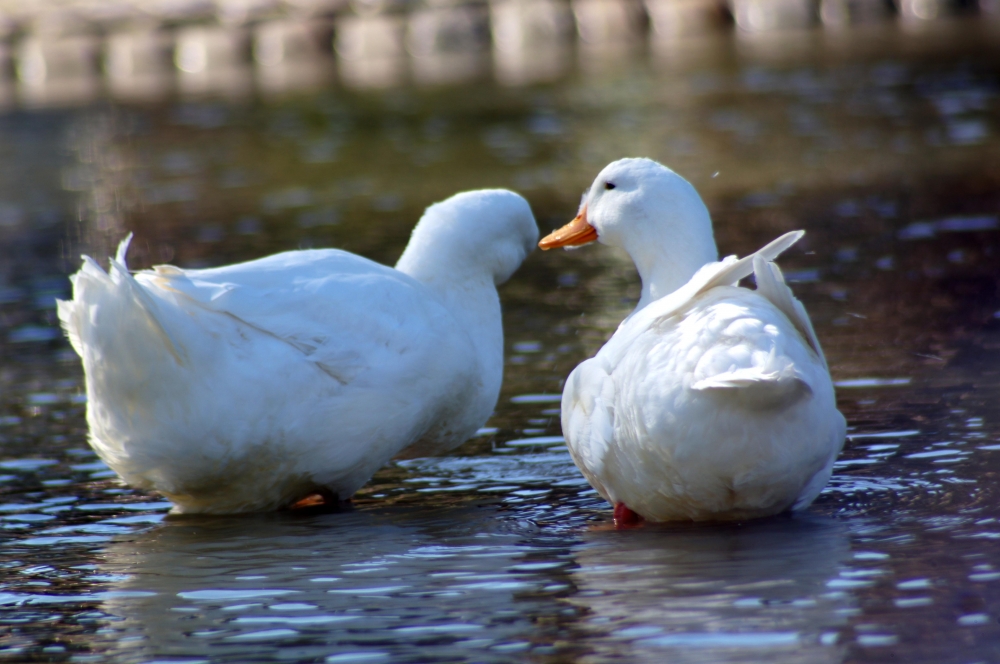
[[250, 386], [413, 585], [194, 585], [755, 592], [711, 401]]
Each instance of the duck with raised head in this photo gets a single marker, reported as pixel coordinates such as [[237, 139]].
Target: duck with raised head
[[252, 386], [711, 401]]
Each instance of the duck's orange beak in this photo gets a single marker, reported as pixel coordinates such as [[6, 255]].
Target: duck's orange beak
[[573, 234]]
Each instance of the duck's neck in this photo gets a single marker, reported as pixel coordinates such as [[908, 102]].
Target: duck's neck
[[474, 303], [666, 264]]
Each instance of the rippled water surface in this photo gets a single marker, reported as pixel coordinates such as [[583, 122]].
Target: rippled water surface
[[884, 146]]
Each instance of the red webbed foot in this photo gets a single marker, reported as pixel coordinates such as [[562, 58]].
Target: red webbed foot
[[626, 518]]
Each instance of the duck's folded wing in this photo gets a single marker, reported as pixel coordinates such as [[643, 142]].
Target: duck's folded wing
[[730, 270], [769, 382], [726, 272], [774, 383], [344, 313], [771, 284]]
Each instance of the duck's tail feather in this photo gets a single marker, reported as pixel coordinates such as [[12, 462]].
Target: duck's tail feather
[[771, 284], [72, 313], [726, 272], [111, 312], [149, 306], [730, 275], [123, 250]]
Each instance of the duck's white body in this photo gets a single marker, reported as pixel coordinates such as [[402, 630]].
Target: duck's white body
[[247, 387], [711, 401]]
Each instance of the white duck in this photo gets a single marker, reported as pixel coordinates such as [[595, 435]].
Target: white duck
[[248, 387], [711, 401]]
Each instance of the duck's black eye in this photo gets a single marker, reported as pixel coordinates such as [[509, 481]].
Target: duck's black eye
[[609, 185]]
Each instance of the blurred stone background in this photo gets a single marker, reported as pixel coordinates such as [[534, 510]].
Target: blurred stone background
[[70, 51]]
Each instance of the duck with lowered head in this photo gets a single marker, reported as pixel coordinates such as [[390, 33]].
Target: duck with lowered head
[[252, 386], [710, 401]]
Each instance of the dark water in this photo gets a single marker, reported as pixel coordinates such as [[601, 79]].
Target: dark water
[[884, 147]]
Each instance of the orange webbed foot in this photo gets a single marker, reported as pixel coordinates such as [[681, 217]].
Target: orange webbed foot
[[320, 500]]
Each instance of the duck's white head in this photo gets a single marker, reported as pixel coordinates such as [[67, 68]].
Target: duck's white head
[[488, 232], [652, 213]]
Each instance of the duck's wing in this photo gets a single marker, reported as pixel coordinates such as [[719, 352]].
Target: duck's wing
[[730, 270], [346, 314], [773, 378], [771, 284], [726, 272]]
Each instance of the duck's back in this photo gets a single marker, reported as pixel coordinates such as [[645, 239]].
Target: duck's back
[[353, 317], [716, 406], [242, 388]]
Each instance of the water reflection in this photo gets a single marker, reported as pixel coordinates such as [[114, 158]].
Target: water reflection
[[408, 585], [748, 593]]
